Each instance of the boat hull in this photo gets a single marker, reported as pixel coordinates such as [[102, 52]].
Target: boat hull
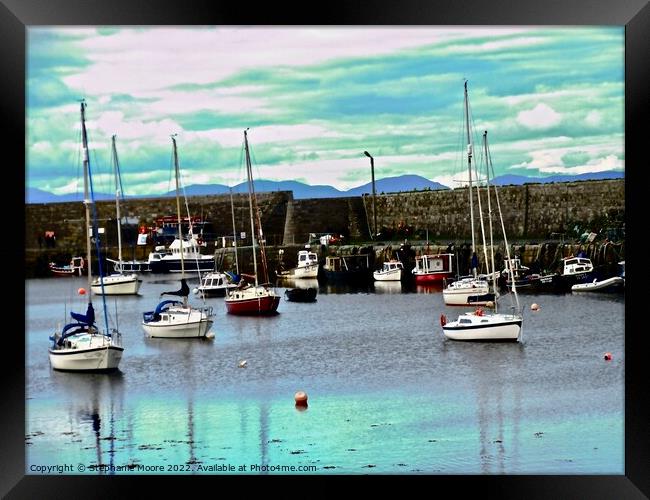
[[117, 285], [302, 272], [467, 298], [170, 330], [354, 276], [301, 294], [429, 278], [174, 265], [392, 275], [615, 284], [86, 360], [508, 331], [267, 304]]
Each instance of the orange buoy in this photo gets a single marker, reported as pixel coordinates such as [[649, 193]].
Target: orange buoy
[[81, 291], [534, 307], [608, 356], [301, 398]]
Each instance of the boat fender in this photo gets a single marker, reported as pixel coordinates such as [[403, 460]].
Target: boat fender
[[443, 320]]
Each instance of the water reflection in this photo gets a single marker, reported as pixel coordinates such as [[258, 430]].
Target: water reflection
[[298, 283], [96, 398], [495, 411], [389, 287]]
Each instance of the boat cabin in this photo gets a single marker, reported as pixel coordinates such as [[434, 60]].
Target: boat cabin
[[577, 265], [440, 263], [346, 263], [306, 258], [392, 265]]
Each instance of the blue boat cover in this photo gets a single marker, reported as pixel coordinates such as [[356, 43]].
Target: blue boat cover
[[183, 292], [88, 318]]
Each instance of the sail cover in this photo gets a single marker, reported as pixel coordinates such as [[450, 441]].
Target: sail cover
[[88, 318], [183, 292]]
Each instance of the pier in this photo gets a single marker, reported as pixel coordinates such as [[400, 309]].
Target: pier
[[543, 221]]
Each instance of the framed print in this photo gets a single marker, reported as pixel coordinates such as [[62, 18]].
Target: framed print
[[366, 241]]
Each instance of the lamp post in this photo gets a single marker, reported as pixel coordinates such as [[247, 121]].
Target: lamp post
[[374, 193]]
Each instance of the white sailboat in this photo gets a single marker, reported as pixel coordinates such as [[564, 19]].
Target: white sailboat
[[479, 325], [247, 298], [117, 283], [80, 345], [177, 318], [469, 290]]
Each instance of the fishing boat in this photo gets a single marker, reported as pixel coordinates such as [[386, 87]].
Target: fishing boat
[[307, 266], [253, 298], [479, 325], [433, 268], [81, 345], [76, 265], [390, 271], [216, 284], [181, 254], [354, 269], [571, 271], [177, 318], [117, 283]]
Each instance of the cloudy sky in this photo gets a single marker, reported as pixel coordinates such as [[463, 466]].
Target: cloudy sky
[[552, 100]]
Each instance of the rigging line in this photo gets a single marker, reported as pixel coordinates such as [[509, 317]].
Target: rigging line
[[191, 233]]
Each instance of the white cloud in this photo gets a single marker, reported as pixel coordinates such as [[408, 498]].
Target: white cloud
[[594, 118], [541, 116]]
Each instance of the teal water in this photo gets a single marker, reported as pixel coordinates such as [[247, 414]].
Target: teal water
[[387, 392]]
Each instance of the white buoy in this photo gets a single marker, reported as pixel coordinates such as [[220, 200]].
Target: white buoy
[[534, 307], [196, 291], [242, 363], [209, 335]]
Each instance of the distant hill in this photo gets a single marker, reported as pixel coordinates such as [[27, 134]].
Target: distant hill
[[504, 180], [395, 185], [302, 191]]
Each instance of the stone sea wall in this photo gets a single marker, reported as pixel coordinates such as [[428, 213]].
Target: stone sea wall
[[532, 213]]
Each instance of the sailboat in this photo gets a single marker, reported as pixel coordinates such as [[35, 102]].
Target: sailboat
[[479, 325], [118, 283], [248, 298], [177, 318], [217, 283], [469, 290], [80, 345]]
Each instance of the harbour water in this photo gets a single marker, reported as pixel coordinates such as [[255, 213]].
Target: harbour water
[[388, 393]]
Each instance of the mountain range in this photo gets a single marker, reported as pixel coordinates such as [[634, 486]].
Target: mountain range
[[301, 190]]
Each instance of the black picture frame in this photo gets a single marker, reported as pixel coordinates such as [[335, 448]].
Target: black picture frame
[[17, 15]]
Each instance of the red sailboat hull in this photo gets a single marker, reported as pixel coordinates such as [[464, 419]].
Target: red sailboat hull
[[262, 305], [423, 279]]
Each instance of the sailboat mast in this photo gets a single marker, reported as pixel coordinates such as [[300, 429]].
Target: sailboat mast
[[505, 238], [469, 170], [87, 201], [234, 231], [250, 201], [178, 207], [117, 200], [487, 172]]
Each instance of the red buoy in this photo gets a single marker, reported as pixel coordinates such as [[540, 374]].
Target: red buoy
[[81, 291], [608, 356], [443, 320], [301, 398]]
